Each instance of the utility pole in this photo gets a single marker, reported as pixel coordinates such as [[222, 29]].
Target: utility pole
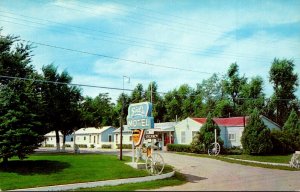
[[121, 124]]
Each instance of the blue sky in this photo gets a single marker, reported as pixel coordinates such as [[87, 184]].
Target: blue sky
[[203, 36]]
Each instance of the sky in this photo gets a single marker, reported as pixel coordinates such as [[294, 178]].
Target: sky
[[171, 42]]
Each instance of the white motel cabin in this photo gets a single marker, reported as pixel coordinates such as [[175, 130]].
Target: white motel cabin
[[90, 137], [231, 129]]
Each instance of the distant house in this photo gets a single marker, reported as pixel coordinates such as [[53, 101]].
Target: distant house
[[95, 137], [231, 129], [89, 137], [50, 139]]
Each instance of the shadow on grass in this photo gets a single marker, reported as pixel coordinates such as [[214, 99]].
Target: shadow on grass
[[31, 167]]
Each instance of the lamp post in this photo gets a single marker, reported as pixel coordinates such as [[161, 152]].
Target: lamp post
[[121, 124]]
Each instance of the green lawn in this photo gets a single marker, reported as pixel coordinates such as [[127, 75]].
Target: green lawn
[[53, 169], [267, 158]]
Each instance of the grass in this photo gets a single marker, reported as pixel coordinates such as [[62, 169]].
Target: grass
[[271, 158], [53, 169], [177, 179]]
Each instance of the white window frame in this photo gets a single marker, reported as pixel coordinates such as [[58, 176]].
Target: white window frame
[[231, 136]]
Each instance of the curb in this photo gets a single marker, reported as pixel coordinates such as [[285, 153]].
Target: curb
[[98, 183], [259, 162]]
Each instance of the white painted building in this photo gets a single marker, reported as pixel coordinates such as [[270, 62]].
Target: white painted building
[[95, 137], [165, 132], [89, 137], [231, 129]]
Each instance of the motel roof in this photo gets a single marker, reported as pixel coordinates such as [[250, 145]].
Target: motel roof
[[226, 122]]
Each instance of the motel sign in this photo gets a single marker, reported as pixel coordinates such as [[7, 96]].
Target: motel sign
[[139, 116]]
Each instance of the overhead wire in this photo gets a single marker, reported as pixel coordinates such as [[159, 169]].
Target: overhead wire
[[114, 58], [87, 9], [120, 89], [133, 43]]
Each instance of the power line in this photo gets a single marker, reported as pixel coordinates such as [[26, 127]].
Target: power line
[[119, 89], [115, 58], [88, 9], [204, 53]]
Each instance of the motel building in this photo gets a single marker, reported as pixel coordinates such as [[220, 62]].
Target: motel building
[[165, 132], [182, 132]]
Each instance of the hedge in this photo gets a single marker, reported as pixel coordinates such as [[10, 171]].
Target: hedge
[[125, 146], [82, 145], [106, 146], [179, 148], [49, 145]]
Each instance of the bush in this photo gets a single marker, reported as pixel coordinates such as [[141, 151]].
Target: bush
[[125, 146], [179, 148], [67, 145], [49, 145], [256, 138], [82, 145], [92, 146], [232, 151], [106, 146], [281, 143]]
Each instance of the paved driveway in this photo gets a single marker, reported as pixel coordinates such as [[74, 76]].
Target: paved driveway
[[210, 174]]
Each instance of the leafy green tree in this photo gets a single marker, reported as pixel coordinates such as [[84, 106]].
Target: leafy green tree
[[172, 105], [292, 129], [60, 102], [20, 122], [137, 94], [212, 91], [285, 82], [157, 101], [223, 108], [253, 96], [207, 133], [123, 102], [234, 84], [256, 138]]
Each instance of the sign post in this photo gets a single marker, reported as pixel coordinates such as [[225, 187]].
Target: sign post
[[139, 119]]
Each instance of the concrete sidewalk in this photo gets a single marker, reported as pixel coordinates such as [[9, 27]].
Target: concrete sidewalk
[[98, 183]]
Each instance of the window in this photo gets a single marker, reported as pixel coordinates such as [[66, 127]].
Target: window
[[116, 138], [182, 136], [71, 138], [94, 139], [231, 137], [84, 138], [109, 138], [130, 138]]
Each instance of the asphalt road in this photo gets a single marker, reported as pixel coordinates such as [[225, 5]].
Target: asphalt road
[[210, 174]]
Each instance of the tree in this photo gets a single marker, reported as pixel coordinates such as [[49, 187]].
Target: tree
[[207, 133], [234, 83], [285, 82], [211, 91], [97, 112], [60, 102], [252, 96], [256, 137], [292, 129], [137, 94], [123, 102], [157, 101], [20, 122]]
